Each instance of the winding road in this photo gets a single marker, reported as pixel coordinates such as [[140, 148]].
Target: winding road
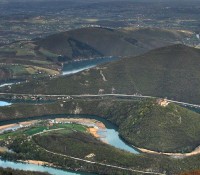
[[102, 164]]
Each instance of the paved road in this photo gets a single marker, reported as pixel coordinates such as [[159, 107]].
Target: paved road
[[102, 95], [102, 164], [58, 129]]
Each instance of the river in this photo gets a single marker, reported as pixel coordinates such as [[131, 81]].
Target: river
[[6, 84], [72, 67], [10, 82], [110, 135], [78, 66], [39, 168], [4, 103]]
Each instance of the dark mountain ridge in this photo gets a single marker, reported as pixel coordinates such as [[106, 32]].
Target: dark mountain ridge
[[98, 41]]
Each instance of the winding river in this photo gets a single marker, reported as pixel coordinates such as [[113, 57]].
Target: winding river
[[110, 135]]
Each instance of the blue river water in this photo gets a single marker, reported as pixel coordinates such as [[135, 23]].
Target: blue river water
[[4, 103], [38, 168], [78, 66], [5, 84], [10, 82], [110, 135]]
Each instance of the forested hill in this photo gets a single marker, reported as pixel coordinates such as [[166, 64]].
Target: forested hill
[[97, 41], [171, 71]]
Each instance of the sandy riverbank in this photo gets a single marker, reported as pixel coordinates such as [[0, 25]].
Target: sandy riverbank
[[175, 155], [96, 125], [3, 149], [93, 131], [82, 121], [100, 125], [8, 126], [28, 123], [38, 162], [22, 124]]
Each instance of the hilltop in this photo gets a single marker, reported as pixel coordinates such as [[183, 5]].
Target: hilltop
[[162, 129], [97, 42], [171, 72]]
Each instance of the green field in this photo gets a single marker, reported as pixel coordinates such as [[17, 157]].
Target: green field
[[40, 128], [10, 134], [47, 53]]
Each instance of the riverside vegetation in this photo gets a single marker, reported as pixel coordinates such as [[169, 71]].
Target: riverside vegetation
[[9, 171]]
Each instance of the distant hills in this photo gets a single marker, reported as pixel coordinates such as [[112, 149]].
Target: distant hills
[[50, 52], [171, 72], [97, 42]]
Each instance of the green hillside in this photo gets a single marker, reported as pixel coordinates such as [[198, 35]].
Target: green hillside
[[84, 43], [144, 124], [162, 129], [171, 72]]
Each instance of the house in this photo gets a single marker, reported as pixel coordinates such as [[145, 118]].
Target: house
[[163, 102], [90, 155]]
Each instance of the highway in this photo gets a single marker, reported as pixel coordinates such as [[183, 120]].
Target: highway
[[101, 95]]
